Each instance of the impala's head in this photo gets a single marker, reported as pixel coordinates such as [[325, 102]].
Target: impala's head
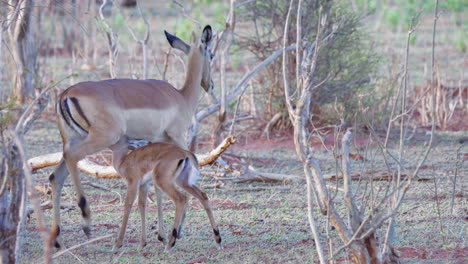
[[200, 48]]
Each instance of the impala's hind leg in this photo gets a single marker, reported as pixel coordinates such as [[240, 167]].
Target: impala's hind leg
[[74, 153], [56, 179], [180, 201], [161, 232], [142, 196], [203, 198], [187, 180]]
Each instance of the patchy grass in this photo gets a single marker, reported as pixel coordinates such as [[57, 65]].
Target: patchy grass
[[267, 226], [270, 225]]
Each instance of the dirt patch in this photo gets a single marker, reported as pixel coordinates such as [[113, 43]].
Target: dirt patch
[[457, 253]]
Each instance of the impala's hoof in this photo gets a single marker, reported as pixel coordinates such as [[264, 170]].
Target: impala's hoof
[[142, 244], [87, 231], [168, 249], [162, 239], [116, 247]]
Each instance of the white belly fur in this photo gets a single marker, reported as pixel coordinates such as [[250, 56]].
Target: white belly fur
[[149, 124]]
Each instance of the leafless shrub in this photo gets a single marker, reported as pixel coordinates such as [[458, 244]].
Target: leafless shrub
[[365, 218], [449, 100]]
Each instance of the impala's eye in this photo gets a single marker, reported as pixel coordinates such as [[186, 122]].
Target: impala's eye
[[211, 56]]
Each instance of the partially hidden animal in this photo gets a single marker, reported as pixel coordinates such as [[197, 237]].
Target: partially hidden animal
[[175, 172]]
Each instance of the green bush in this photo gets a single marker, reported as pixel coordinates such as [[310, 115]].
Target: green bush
[[216, 9], [460, 40], [347, 57]]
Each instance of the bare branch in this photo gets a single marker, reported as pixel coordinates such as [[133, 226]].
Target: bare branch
[[184, 12], [348, 192], [231, 130], [35, 201], [233, 94], [143, 42], [56, 255], [111, 40], [287, 88]]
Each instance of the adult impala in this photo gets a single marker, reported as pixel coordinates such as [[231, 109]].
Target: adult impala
[[93, 116]]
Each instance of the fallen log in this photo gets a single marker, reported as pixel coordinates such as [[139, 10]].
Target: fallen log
[[215, 153], [374, 176], [257, 176], [89, 167]]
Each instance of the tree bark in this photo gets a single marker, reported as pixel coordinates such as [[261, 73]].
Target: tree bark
[[24, 54], [11, 203]]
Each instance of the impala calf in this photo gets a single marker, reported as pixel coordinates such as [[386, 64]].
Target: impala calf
[[173, 170], [93, 116]]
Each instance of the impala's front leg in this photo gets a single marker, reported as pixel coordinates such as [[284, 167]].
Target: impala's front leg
[[132, 188]]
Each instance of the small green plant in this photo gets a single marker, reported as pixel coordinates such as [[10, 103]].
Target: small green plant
[[184, 28], [460, 40], [392, 18], [118, 21], [412, 39]]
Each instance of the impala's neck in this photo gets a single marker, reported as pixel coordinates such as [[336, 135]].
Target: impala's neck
[[191, 88]]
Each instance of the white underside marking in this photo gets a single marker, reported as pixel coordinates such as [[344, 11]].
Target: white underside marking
[[194, 175], [146, 178], [138, 143], [149, 124]]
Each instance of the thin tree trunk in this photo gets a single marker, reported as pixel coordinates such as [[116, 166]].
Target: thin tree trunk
[[229, 31], [24, 54], [11, 203]]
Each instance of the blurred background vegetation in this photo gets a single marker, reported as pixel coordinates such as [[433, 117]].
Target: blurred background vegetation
[[363, 61]]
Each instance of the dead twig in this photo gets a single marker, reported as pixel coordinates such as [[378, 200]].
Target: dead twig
[[269, 126], [217, 185], [95, 185], [256, 176], [258, 188], [56, 255], [35, 200]]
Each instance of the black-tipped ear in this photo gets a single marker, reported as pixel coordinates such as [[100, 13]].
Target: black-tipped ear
[[177, 43], [207, 35]]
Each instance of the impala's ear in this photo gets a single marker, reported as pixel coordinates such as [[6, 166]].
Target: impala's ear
[[207, 36], [177, 43]]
